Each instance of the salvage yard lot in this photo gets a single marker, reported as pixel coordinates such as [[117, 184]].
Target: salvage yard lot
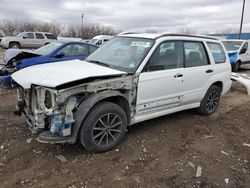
[[164, 152]]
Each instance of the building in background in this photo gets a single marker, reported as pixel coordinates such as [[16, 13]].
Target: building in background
[[244, 36]]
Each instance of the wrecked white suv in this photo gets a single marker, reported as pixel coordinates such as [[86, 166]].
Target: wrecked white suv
[[132, 78]]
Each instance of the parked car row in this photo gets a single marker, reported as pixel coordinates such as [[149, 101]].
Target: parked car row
[[16, 59], [39, 39], [130, 79]]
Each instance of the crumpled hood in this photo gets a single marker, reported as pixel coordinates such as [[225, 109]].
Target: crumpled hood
[[13, 53], [56, 74]]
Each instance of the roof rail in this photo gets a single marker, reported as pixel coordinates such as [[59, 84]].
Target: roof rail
[[186, 35]]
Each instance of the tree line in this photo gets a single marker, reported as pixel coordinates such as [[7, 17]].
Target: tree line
[[13, 27]]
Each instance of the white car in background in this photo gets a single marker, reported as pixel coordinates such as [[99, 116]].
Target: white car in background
[[100, 39], [238, 51], [132, 78], [28, 40]]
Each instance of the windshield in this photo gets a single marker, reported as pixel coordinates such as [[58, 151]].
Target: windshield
[[45, 50], [122, 53], [232, 45], [20, 35]]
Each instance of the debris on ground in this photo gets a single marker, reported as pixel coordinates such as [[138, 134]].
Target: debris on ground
[[207, 137], [245, 144], [28, 140], [191, 164], [223, 152], [226, 180], [198, 172], [62, 158]]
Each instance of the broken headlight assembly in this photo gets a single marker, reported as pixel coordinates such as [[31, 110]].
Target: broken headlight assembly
[[49, 99]]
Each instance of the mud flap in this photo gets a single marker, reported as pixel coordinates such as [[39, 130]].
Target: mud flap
[[243, 79]]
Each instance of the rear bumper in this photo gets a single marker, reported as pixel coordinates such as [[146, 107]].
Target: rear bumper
[[6, 82]]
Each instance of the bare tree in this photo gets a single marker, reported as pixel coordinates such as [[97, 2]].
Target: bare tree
[[7, 27], [187, 31], [88, 31], [11, 28], [151, 31]]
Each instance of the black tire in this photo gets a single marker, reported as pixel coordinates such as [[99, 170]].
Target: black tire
[[236, 67], [210, 101], [14, 45], [104, 127]]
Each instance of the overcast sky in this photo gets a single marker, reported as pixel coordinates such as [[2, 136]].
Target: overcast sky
[[204, 16]]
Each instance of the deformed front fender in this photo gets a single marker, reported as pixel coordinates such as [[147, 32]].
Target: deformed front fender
[[87, 105]]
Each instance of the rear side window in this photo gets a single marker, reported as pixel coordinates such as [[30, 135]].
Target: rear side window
[[217, 52], [39, 36], [50, 36], [195, 54]]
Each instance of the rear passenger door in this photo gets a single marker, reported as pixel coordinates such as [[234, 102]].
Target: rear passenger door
[[160, 84], [39, 40], [197, 72]]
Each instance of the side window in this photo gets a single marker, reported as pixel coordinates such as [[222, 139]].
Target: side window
[[99, 42], [195, 54], [217, 52], [168, 55], [92, 49], [79, 49], [29, 36], [50, 36], [74, 50], [39, 36]]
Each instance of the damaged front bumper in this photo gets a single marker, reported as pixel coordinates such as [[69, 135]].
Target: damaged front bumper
[[53, 121]]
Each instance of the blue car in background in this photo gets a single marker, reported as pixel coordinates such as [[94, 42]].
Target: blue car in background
[[15, 59]]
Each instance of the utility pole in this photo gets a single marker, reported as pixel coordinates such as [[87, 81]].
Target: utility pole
[[242, 18], [82, 26]]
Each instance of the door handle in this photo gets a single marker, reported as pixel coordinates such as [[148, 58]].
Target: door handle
[[178, 75], [209, 71]]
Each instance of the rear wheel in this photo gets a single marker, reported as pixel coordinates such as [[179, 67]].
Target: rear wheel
[[104, 127], [210, 101], [14, 45]]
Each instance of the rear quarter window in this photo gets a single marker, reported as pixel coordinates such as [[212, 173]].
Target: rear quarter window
[[50, 36], [217, 52]]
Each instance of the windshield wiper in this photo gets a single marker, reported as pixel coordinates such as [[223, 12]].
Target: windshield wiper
[[98, 62]]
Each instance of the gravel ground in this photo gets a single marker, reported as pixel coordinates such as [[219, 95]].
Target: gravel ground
[[164, 152]]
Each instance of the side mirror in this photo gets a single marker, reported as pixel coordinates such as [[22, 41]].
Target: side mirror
[[59, 55], [243, 50], [24, 37]]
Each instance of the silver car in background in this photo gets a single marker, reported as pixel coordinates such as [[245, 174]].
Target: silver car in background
[[28, 40]]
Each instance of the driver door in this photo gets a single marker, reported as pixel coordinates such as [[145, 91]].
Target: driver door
[[160, 85]]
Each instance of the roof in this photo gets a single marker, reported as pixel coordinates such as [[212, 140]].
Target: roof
[[156, 36]]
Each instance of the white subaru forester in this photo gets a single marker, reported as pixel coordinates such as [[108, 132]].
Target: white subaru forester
[[132, 78]]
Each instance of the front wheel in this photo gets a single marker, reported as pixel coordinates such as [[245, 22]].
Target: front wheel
[[210, 101], [14, 45], [104, 127]]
